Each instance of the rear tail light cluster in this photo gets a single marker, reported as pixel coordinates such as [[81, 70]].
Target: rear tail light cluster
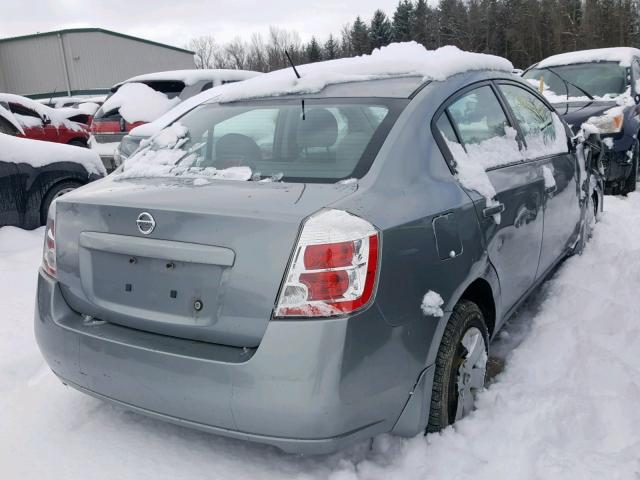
[[334, 267], [49, 249]]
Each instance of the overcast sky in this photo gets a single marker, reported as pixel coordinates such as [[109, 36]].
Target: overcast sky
[[175, 22]]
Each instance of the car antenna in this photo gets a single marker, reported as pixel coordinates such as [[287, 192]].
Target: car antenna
[[54, 92], [295, 70]]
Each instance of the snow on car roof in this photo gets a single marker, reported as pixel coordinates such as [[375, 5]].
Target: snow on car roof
[[394, 60], [622, 55], [57, 116], [189, 77], [151, 128], [38, 153], [8, 116], [137, 102]]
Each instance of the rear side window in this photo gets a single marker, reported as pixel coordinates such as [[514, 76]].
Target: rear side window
[[484, 130], [543, 130]]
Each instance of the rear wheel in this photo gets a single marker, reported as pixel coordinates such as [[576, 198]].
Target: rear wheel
[[629, 185], [461, 366], [54, 192]]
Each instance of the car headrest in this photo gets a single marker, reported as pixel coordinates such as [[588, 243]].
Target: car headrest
[[234, 147], [318, 129]]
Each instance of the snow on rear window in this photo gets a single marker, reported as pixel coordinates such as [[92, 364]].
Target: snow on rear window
[[138, 102]]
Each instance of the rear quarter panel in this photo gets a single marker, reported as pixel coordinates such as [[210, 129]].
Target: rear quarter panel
[[409, 185]]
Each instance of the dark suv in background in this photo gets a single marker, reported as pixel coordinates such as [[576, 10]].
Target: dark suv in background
[[598, 89]]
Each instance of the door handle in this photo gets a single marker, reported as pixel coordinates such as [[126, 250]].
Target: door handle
[[550, 190], [493, 210]]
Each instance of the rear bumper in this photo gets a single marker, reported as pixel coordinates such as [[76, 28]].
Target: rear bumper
[[308, 388]]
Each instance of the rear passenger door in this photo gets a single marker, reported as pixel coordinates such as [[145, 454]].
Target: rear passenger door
[[546, 145], [484, 146]]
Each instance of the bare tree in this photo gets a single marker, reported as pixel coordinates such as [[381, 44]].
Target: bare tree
[[205, 49]]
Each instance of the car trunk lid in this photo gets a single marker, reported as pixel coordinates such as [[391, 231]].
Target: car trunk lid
[[209, 270]]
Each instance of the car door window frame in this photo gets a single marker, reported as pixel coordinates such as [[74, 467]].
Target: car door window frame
[[444, 109], [518, 127]]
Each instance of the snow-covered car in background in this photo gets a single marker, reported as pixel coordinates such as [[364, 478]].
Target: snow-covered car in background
[[72, 102], [33, 174], [39, 122], [144, 98], [598, 91], [309, 263]]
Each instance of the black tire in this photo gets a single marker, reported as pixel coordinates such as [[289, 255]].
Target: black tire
[[629, 185], [444, 397], [78, 143], [52, 194]]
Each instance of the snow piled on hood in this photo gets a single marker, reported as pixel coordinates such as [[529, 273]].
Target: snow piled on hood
[[394, 60], [622, 55], [138, 102], [38, 153]]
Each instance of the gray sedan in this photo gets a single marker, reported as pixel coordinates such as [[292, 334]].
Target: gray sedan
[[309, 270]]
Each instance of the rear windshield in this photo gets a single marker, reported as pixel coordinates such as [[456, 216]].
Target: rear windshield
[[603, 79], [319, 141], [171, 88]]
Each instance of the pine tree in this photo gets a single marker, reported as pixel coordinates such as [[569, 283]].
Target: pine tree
[[402, 18], [380, 30], [360, 38], [418, 26], [313, 51], [331, 48]]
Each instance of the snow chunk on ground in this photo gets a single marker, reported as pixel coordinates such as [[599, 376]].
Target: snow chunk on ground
[[396, 59], [432, 304], [622, 55], [138, 102], [38, 153]]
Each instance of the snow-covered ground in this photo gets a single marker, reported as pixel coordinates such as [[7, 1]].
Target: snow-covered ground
[[565, 406]]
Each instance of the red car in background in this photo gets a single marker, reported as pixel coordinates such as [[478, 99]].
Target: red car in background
[[40, 122]]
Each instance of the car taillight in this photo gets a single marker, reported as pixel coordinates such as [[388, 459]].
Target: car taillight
[[49, 249], [334, 267]]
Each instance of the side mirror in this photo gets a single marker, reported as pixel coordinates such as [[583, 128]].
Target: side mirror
[[45, 119]]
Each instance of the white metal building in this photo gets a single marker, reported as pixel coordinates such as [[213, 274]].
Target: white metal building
[[81, 61]]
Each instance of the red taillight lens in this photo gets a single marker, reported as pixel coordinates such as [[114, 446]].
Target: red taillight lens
[[331, 255], [334, 267], [329, 285]]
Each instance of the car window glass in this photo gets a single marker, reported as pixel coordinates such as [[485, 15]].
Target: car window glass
[[206, 86], [259, 125], [543, 130], [444, 125], [26, 116], [484, 130]]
